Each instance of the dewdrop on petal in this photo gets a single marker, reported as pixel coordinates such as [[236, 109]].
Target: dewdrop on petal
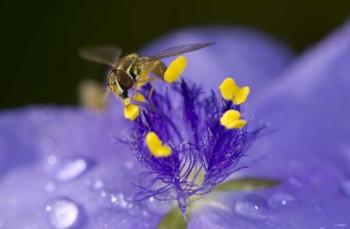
[[175, 69], [231, 120], [131, 111], [231, 91], [156, 147]]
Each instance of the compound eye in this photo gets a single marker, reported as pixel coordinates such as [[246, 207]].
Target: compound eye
[[112, 79], [124, 80]]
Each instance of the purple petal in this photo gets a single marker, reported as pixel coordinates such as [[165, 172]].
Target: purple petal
[[64, 161], [251, 57], [314, 197], [309, 108], [63, 165], [64, 169]]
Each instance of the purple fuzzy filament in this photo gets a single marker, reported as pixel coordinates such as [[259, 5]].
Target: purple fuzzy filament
[[188, 120]]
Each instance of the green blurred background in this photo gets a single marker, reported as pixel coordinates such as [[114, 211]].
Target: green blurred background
[[39, 39]]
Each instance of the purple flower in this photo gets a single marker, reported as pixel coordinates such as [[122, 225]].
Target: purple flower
[[203, 152], [63, 168]]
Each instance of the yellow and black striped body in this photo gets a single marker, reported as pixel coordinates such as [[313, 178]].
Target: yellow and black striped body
[[131, 69]]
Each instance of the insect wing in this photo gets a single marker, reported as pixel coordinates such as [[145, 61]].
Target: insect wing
[[178, 50], [106, 54]]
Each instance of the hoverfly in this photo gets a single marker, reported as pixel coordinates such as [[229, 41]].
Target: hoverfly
[[132, 71]]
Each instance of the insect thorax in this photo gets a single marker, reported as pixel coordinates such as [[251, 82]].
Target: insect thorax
[[129, 65]]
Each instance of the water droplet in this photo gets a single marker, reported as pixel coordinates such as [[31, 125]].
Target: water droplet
[[62, 213], [71, 169], [114, 200], [281, 199], [119, 200], [252, 206]]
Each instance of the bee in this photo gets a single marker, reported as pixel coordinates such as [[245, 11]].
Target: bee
[[133, 71]]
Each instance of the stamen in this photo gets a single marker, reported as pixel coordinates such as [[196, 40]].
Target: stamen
[[197, 153], [126, 101], [131, 111], [175, 69], [156, 147], [241, 95], [231, 120], [228, 88], [231, 91], [139, 98]]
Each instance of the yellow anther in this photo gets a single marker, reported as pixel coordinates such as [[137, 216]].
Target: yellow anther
[[241, 95], [139, 98], [175, 69], [153, 142], [126, 101], [231, 120], [231, 91], [131, 111], [228, 88], [156, 147]]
